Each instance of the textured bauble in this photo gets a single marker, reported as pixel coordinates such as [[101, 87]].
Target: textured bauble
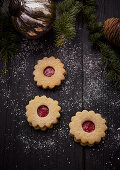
[[32, 18], [112, 30]]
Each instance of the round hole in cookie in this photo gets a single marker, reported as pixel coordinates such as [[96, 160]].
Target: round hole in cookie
[[88, 126], [42, 111], [49, 71]]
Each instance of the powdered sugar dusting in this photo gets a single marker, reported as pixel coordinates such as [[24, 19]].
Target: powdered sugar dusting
[[102, 98], [25, 89], [48, 144], [94, 77], [85, 87]]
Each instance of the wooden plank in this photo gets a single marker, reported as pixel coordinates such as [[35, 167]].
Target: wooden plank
[[103, 98], [23, 147]]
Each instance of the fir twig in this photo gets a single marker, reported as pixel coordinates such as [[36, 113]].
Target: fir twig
[[7, 39], [65, 24], [96, 35]]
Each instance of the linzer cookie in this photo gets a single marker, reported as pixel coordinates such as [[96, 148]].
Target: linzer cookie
[[42, 112], [49, 72], [87, 127]]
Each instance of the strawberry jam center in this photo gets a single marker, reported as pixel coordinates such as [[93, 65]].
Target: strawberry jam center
[[42, 111], [49, 71], [88, 126]]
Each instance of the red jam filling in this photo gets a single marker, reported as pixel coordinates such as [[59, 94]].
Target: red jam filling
[[88, 126], [49, 71], [42, 111]]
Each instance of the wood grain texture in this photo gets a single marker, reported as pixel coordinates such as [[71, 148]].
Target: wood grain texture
[[85, 87], [102, 97]]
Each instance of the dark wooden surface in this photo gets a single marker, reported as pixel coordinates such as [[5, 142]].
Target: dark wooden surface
[[85, 87]]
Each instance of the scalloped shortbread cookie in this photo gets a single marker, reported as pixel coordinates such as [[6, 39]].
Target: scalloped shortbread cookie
[[49, 72], [42, 112], [87, 127]]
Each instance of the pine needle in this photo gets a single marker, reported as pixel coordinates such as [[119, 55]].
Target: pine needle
[[65, 24], [96, 36], [8, 45]]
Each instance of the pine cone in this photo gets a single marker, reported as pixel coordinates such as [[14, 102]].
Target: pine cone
[[112, 30]]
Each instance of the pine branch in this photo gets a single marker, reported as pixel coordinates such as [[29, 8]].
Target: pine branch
[[65, 24], [96, 35], [110, 59], [8, 45], [65, 6]]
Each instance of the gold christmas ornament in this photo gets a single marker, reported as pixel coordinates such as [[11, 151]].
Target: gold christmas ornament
[[32, 18], [112, 30]]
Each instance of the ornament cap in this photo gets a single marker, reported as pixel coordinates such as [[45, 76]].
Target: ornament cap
[[15, 7]]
